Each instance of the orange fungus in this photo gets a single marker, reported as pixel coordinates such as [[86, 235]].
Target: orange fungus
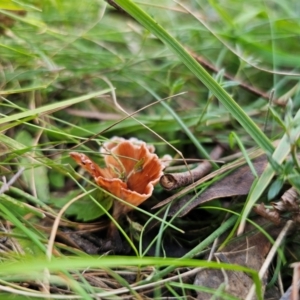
[[132, 170]]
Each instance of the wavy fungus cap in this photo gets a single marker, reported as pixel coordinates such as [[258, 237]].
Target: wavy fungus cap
[[131, 172], [114, 141]]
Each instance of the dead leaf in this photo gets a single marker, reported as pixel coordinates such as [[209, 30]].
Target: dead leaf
[[236, 183], [248, 250]]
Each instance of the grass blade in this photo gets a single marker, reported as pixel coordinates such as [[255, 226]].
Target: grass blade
[[237, 112], [52, 107], [280, 154]]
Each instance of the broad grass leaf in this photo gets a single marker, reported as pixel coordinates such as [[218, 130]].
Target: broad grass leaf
[[57, 180], [275, 188], [85, 209]]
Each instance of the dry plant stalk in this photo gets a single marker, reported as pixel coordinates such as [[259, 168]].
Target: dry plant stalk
[[289, 203], [271, 215], [171, 181]]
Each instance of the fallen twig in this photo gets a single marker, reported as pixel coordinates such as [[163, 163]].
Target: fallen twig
[[171, 181]]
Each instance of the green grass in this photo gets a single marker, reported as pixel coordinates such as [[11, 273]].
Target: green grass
[[75, 74]]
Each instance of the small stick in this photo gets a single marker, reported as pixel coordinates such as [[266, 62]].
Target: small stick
[[171, 181]]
